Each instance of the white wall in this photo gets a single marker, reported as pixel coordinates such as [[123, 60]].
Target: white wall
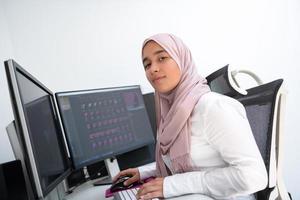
[[6, 115], [75, 44]]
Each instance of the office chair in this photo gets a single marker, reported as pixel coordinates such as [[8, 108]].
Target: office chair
[[264, 106]]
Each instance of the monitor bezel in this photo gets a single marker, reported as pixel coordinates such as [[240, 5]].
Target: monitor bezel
[[87, 91], [12, 68]]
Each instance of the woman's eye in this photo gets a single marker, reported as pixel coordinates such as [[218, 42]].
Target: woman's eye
[[162, 58], [146, 66]]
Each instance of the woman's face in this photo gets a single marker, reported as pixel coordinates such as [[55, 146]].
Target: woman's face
[[161, 70]]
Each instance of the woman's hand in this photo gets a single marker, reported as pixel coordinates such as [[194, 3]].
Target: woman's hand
[[152, 189], [133, 172]]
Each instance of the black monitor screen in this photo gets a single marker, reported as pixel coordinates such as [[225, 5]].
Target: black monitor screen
[[103, 123], [45, 144]]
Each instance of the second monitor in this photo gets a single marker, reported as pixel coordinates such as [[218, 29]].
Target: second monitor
[[104, 123]]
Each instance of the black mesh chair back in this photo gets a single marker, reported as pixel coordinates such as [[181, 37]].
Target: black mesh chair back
[[260, 105], [219, 82]]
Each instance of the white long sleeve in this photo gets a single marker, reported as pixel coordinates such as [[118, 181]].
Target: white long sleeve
[[147, 171], [223, 148]]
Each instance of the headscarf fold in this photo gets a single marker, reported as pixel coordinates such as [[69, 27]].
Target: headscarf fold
[[173, 110]]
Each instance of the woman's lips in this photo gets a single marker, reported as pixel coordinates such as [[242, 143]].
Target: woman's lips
[[158, 79]]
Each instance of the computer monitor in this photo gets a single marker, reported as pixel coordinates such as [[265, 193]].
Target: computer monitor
[[104, 123], [38, 131], [135, 158]]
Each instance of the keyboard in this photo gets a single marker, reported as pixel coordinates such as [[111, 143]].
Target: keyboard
[[129, 194]]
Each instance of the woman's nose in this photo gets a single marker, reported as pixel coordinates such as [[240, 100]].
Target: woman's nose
[[154, 68]]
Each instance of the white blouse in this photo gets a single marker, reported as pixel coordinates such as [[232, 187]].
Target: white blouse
[[223, 147]]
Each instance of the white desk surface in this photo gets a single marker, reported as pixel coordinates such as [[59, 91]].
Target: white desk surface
[[87, 191]]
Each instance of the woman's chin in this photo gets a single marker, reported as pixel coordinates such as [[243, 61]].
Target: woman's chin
[[162, 90]]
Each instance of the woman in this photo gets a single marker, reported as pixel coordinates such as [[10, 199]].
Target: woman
[[204, 140]]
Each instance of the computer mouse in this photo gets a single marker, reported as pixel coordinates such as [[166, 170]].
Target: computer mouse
[[119, 184]]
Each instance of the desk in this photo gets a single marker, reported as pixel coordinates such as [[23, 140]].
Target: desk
[[87, 191]]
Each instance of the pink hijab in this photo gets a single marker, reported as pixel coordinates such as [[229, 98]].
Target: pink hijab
[[173, 110]]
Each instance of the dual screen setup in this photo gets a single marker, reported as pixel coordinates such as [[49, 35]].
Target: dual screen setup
[[56, 134]]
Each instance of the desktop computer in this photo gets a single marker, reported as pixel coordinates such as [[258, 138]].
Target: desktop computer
[[97, 125], [36, 134], [131, 159], [134, 158], [102, 124]]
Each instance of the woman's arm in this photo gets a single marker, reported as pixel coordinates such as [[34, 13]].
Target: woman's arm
[[147, 171], [228, 131]]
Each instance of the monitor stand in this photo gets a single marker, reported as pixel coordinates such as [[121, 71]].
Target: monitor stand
[[112, 169]]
